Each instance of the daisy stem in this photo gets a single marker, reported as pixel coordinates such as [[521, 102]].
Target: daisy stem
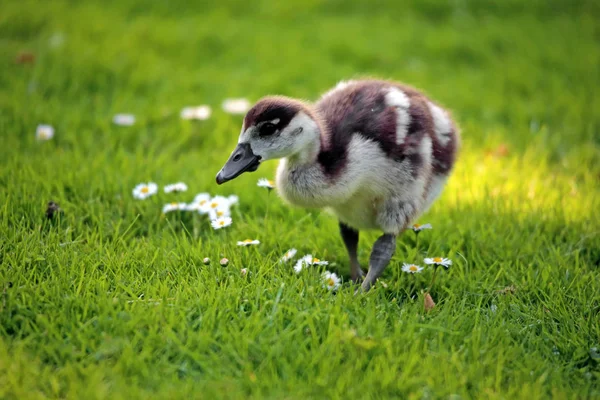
[[267, 213], [433, 278]]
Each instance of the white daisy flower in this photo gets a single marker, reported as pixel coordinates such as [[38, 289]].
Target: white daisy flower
[[224, 262], [331, 281], [167, 208], [266, 183], [217, 202], [124, 119], [419, 227], [219, 213], [307, 261], [176, 187], [222, 222], [216, 207], [199, 202], [302, 263], [144, 190], [244, 271], [206, 261], [411, 268], [288, 255], [201, 198], [248, 242], [446, 262], [56, 40], [201, 113], [316, 261], [233, 200], [44, 132], [236, 106]]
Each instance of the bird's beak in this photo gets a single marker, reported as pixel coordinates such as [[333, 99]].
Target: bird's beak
[[241, 160]]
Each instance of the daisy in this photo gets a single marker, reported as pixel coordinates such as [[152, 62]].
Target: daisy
[[307, 261], [206, 261], [173, 207], [44, 132], [176, 187], [202, 198], [331, 281], [233, 200], [201, 113], [221, 222], [236, 106], [418, 227], [199, 202], [316, 261], [248, 242], [288, 255], [56, 40], [266, 183], [411, 268], [224, 262], [124, 119], [144, 190], [244, 271], [219, 213], [303, 262], [439, 261], [215, 203]]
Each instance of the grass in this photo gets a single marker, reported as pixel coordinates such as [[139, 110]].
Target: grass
[[111, 300]]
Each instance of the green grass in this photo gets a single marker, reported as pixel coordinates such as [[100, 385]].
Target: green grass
[[112, 300]]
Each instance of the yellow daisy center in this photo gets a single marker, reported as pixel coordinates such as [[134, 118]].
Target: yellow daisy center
[[145, 190], [214, 204], [413, 268], [221, 223], [173, 204], [44, 134], [203, 202], [271, 183], [416, 226], [316, 260], [248, 241], [437, 259], [220, 213], [330, 282]]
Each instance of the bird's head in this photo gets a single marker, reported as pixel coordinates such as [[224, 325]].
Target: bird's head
[[275, 127]]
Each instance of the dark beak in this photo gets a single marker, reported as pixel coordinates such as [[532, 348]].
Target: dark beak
[[241, 160]]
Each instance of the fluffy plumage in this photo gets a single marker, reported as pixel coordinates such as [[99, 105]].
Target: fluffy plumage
[[376, 153]]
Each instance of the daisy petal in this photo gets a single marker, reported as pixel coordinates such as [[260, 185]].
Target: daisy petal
[[221, 222], [331, 281]]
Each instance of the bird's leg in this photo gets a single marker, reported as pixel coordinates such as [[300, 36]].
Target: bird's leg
[[382, 253], [350, 237]]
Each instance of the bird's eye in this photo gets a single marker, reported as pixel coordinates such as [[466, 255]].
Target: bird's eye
[[267, 129]]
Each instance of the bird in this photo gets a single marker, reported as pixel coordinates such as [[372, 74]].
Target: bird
[[376, 153]]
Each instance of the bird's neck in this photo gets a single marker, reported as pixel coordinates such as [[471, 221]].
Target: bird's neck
[[315, 133], [307, 155], [300, 179]]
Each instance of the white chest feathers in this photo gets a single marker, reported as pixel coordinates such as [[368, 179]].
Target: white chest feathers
[[358, 194]]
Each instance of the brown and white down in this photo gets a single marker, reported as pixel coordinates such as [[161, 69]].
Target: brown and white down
[[376, 153]]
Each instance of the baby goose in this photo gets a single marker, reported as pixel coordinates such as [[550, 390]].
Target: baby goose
[[376, 153]]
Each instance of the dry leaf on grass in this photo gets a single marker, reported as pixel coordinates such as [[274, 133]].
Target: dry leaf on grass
[[428, 302]]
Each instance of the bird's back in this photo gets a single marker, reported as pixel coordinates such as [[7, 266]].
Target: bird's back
[[394, 116]]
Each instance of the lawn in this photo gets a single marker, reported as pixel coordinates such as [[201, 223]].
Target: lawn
[[111, 299]]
